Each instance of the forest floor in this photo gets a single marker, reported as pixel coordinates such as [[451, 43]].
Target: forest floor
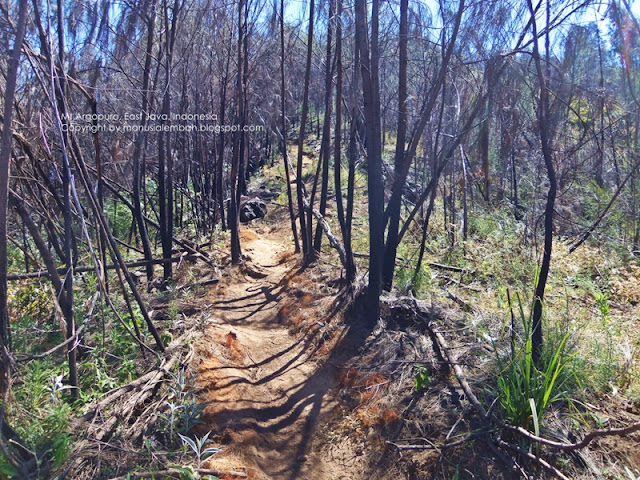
[[263, 368], [294, 388], [298, 384]]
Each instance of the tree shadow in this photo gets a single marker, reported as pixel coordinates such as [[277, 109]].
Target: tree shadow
[[283, 425]]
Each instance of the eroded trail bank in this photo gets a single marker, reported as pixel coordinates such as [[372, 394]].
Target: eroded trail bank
[[263, 371]]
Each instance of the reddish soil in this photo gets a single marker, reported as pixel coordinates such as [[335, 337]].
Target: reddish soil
[[268, 390]]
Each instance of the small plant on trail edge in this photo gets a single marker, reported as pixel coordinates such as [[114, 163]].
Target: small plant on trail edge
[[184, 410], [525, 390], [421, 378], [201, 453]]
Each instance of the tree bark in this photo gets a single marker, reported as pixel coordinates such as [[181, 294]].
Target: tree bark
[[285, 143], [371, 92], [5, 159], [307, 251], [546, 138]]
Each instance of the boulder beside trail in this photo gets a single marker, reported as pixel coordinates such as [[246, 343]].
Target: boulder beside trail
[[251, 209]]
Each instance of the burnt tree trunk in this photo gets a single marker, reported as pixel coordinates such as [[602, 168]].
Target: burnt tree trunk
[[371, 91], [5, 159], [285, 146], [307, 251], [546, 138]]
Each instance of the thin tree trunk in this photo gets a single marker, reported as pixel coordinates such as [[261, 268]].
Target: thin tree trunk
[[337, 159], [465, 212], [370, 85], [546, 138], [307, 251], [139, 144], [58, 89], [285, 146], [394, 208], [352, 154], [5, 159], [326, 130], [221, 139], [164, 143], [236, 160]]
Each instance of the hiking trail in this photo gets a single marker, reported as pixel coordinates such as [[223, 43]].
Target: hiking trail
[[267, 390]]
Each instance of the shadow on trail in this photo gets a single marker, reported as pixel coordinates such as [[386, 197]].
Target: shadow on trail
[[285, 428]]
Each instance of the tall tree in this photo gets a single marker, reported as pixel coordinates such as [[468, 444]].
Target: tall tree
[[394, 209], [285, 146], [165, 150], [345, 226], [5, 160], [546, 139], [326, 129], [238, 136], [369, 60], [150, 17], [392, 213], [307, 249]]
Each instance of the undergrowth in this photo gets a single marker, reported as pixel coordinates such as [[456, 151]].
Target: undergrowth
[[42, 407], [527, 389]]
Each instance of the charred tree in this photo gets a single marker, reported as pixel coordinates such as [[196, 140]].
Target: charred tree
[[369, 59], [5, 159]]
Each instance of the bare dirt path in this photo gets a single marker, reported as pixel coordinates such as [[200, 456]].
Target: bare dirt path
[[266, 389]]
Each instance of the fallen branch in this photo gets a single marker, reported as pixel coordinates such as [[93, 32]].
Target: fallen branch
[[433, 446], [69, 340], [150, 378], [83, 269], [530, 456], [142, 385], [443, 348], [185, 245], [335, 243], [461, 303], [450, 268], [175, 473], [634, 427], [603, 214]]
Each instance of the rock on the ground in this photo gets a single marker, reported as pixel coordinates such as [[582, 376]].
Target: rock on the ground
[[251, 209]]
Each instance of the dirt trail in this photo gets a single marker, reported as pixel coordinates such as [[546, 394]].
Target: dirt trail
[[265, 388]]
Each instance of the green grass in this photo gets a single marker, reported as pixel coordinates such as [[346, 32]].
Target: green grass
[[526, 390]]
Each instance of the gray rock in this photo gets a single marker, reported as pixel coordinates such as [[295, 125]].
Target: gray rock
[[251, 209]]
